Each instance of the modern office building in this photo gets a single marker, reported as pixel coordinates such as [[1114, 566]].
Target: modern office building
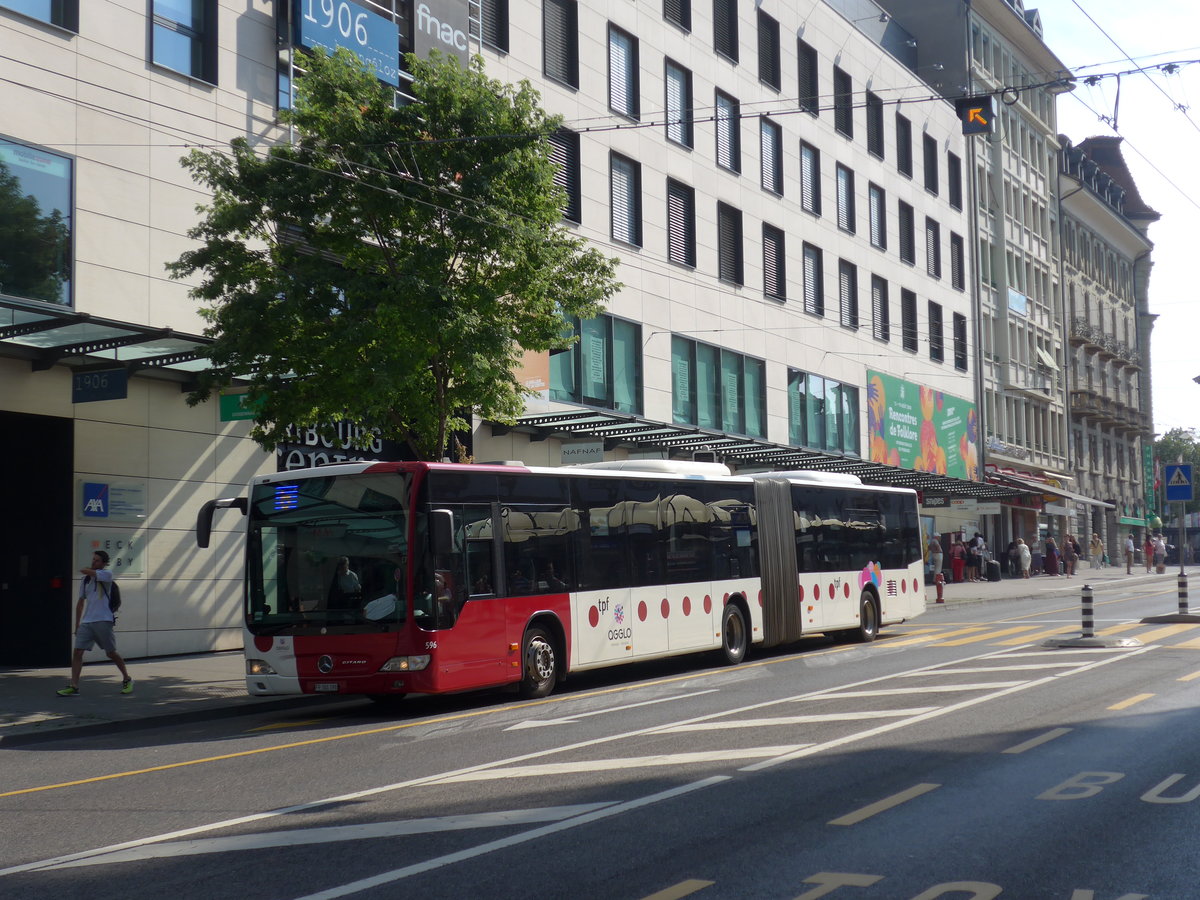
[[786, 186]]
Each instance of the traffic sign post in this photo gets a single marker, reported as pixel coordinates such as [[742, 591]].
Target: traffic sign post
[[1178, 480]]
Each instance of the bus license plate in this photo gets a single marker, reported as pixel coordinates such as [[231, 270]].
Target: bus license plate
[[326, 687]]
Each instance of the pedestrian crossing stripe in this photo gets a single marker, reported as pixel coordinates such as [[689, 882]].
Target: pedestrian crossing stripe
[[1178, 479]]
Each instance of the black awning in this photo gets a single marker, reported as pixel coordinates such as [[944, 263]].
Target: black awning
[[627, 430]]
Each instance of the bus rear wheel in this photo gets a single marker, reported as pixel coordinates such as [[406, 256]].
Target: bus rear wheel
[[868, 619], [539, 665], [733, 634]]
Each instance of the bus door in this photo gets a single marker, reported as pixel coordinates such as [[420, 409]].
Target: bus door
[[465, 615], [608, 621]]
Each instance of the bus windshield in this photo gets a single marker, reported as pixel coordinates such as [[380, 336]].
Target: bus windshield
[[329, 554]]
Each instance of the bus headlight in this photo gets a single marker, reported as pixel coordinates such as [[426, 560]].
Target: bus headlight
[[405, 664], [259, 667]]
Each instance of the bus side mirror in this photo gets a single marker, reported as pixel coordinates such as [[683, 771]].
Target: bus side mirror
[[442, 531], [205, 516]]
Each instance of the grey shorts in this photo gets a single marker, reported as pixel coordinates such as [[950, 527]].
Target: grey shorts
[[101, 633]]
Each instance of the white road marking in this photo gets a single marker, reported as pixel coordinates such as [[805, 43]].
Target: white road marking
[[299, 837], [572, 719], [975, 670], [924, 689], [1112, 656], [614, 764], [799, 720], [355, 887]]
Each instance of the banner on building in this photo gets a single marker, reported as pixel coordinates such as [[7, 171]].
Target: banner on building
[[916, 427]]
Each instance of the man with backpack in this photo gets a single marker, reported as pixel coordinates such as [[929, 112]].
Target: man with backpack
[[94, 621]]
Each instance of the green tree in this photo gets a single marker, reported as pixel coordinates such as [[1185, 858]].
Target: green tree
[[389, 266]]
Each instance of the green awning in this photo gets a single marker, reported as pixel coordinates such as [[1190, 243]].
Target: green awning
[[1128, 520]]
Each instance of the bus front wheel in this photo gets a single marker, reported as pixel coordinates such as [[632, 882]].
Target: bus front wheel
[[540, 665], [868, 619], [733, 634]]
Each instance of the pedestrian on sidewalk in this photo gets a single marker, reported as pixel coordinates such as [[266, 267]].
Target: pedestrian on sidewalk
[[958, 559], [1096, 551], [1069, 555], [935, 556], [1050, 561], [1129, 551], [1024, 557], [1148, 553], [94, 622]]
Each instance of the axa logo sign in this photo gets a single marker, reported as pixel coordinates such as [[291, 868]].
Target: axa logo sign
[[95, 500]]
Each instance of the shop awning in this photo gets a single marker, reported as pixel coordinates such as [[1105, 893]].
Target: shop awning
[[1047, 359], [623, 429], [1042, 488]]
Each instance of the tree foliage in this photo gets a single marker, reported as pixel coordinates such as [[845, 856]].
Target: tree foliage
[[389, 265]]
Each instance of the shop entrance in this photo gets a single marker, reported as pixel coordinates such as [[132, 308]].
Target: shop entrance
[[37, 458]]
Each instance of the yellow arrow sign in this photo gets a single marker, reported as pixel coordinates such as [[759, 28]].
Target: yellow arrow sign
[[975, 114]]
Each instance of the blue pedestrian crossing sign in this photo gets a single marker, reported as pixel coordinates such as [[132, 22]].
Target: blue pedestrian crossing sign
[[1178, 481]]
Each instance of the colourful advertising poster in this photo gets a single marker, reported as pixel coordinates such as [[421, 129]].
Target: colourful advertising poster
[[916, 427]]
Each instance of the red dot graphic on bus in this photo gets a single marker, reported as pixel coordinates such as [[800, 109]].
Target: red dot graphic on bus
[[846, 589], [707, 604], [760, 599], [593, 617], [666, 608], [801, 593], [642, 611], [725, 600], [903, 586], [263, 642], [832, 591], [687, 606], [816, 592]]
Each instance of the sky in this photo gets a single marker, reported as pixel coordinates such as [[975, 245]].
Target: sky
[[1159, 118]]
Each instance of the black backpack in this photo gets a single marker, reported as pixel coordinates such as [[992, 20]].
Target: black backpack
[[114, 596]]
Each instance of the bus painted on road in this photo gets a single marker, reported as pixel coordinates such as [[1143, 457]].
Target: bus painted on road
[[387, 578]]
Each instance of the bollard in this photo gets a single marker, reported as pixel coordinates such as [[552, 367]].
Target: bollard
[[1089, 622], [939, 581], [1183, 597]]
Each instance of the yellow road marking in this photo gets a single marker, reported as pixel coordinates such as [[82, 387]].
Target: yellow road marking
[[1193, 644], [437, 721], [1036, 636], [1117, 629], [1165, 632], [1191, 677], [683, 889], [885, 804], [1050, 735], [925, 638], [279, 725], [985, 637], [1136, 698]]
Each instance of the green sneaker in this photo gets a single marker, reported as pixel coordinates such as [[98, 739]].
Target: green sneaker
[[69, 691], [127, 686]]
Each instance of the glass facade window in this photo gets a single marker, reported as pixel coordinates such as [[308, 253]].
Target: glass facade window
[[681, 223], [877, 210], [908, 320], [602, 368], [36, 224], [717, 388], [847, 294], [908, 240], [184, 37], [814, 287], [843, 103], [933, 248], [679, 103], [822, 414], [774, 264], [729, 244], [623, 73], [560, 44], [678, 12], [810, 179], [960, 342], [728, 129], [810, 92], [625, 182], [954, 185], [768, 50], [847, 219], [930, 150], [493, 23], [771, 141], [63, 13], [937, 337], [874, 125]]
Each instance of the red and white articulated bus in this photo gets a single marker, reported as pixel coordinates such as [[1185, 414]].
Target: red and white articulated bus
[[382, 579]]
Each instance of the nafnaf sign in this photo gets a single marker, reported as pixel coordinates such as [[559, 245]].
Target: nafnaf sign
[[330, 24]]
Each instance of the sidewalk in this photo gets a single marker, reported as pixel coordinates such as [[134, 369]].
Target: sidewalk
[[176, 689], [166, 690]]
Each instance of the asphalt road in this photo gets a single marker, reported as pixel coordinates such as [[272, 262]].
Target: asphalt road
[[956, 757]]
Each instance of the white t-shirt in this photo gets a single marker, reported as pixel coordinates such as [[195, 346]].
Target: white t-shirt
[[96, 609]]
